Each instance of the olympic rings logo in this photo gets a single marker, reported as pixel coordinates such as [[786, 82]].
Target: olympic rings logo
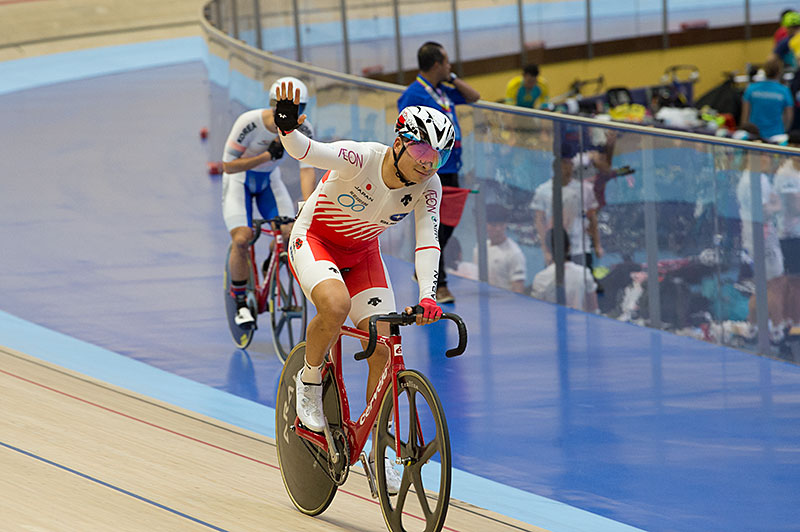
[[349, 202]]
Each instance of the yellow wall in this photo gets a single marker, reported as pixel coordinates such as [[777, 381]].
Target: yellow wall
[[639, 69]]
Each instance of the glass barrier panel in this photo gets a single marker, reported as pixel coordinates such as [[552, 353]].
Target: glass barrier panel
[[371, 31], [422, 21], [764, 11], [554, 24], [245, 10], [278, 28], [685, 15], [481, 23], [622, 19], [321, 33]]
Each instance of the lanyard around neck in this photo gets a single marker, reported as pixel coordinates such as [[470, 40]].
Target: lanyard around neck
[[439, 96]]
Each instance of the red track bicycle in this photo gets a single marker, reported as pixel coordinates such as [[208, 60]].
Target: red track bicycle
[[412, 432], [276, 291]]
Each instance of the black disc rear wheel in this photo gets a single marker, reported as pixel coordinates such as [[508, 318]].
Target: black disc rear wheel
[[304, 466]]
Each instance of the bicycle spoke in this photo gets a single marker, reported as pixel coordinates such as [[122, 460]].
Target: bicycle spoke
[[428, 451], [416, 477]]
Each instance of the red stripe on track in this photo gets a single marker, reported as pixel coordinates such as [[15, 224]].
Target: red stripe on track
[[186, 436], [4, 2]]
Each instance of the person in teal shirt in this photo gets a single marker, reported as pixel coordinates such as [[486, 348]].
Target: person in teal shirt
[[768, 104], [528, 89]]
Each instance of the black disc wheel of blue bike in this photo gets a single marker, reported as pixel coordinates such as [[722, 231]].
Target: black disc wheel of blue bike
[[304, 466], [288, 314], [425, 450], [242, 336]]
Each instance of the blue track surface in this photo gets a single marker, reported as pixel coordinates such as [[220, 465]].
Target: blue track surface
[[112, 234]]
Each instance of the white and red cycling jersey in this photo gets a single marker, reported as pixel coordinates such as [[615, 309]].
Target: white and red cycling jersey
[[339, 225]]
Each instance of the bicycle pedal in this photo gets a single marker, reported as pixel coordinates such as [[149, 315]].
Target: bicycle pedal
[[370, 475]]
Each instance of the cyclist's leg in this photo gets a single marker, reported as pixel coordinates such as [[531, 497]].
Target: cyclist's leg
[[332, 301], [322, 283], [237, 211], [372, 293]]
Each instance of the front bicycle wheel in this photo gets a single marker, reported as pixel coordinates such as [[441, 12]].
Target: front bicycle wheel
[[303, 465], [288, 315], [425, 449], [241, 336]]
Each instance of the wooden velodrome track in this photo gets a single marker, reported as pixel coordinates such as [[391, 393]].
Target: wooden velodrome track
[[79, 454]]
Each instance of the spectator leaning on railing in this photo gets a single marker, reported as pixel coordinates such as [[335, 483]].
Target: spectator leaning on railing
[[438, 87]]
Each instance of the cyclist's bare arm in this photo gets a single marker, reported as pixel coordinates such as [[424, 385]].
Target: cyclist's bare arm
[[245, 163]]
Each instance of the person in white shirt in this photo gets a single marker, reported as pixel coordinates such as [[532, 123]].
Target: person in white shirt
[[787, 187], [580, 207], [579, 285], [507, 267], [770, 205]]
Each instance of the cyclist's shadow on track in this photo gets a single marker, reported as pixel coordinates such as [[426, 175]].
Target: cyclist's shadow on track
[[241, 377]]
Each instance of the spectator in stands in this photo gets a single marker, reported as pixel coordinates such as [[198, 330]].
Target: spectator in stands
[[783, 49], [507, 267], [781, 33], [454, 261], [439, 87], [758, 166], [579, 284], [787, 186], [768, 104], [579, 206], [527, 89]]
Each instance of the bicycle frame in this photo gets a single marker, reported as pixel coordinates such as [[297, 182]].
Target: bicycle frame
[[262, 284], [358, 431]]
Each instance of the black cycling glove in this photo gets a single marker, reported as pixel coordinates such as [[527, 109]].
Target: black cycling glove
[[275, 149], [286, 115]]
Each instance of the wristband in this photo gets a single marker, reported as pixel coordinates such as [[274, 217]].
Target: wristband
[[453, 77]]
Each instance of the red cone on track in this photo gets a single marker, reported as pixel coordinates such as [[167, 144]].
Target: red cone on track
[[204, 133]]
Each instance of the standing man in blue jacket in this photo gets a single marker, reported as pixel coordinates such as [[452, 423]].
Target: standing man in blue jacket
[[438, 86]]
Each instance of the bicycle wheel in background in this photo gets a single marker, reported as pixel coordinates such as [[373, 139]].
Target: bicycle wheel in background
[[241, 336], [286, 303], [303, 464], [424, 439]]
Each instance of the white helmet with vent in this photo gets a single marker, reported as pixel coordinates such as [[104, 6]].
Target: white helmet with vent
[[426, 124]]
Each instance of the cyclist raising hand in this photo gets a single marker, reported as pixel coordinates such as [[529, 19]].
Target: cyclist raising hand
[[334, 248], [252, 174]]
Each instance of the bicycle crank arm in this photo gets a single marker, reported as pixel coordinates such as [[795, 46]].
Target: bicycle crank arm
[[373, 488], [332, 451]]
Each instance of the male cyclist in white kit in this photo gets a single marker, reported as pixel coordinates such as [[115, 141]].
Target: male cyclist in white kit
[[250, 162], [334, 250]]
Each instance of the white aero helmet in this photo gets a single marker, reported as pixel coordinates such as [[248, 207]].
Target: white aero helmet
[[296, 84], [429, 126]]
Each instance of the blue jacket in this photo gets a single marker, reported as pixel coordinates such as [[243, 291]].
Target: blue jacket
[[417, 94]]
